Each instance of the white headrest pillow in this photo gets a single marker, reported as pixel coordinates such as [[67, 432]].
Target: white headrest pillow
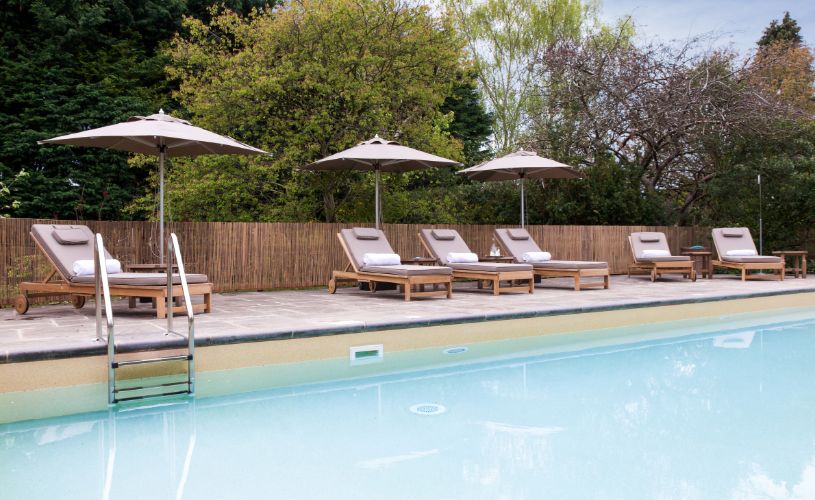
[[461, 258], [381, 259], [85, 267]]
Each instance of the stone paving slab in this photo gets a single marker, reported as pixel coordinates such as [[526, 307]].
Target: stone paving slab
[[58, 331]]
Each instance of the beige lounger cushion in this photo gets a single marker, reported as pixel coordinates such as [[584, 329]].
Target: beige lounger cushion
[[440, 248], [753, 258], [141, 279], [727, 239], [517, 247], [570, 264], [357, 248], [64, 256], [651, 241], [491, 267], [408, 270]]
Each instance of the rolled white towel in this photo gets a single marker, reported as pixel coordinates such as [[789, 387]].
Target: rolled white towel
[[85, 267], [651, 253], [536, 256], [741, 253], [461, 258], [381, 259]]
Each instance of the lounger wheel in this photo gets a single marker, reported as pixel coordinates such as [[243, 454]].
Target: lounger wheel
[[78, 301], [21, 304], [332, 285]]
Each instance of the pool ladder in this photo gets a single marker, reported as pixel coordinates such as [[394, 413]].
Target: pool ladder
[[116, 392]]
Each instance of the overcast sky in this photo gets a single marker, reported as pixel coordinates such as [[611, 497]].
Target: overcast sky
[[737, 22]]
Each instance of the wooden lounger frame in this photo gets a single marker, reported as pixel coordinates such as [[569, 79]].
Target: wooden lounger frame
[[406, 283], [657, 269], [567, 272], [49, 287], [495, 278], [778, 269]]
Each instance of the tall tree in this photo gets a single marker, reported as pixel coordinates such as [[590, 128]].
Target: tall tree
[[471, 123], [787, 31], [310, 78], [505, 38]]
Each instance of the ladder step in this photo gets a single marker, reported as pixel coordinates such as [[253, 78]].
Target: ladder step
[[134, 398], [153, 386], [179, 357]]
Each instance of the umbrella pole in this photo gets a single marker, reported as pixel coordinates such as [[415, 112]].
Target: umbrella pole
[[376, 198], [523, 201], [161, 204]]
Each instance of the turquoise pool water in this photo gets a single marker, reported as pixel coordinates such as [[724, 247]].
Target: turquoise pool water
[[724, 414]]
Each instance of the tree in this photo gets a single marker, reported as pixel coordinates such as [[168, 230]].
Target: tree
[[504, 39], [787, 31], [471, 124], [310, 78]]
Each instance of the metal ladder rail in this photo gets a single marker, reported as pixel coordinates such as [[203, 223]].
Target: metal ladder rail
[[103, 289], [174, 252]]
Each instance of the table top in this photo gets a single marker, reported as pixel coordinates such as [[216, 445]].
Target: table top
[[148, 267], [419, 260], [697, 252], [496, 258], [790, 252]]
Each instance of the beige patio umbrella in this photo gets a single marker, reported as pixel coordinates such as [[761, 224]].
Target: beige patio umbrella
[[380, 155], [520, 165], [161, 135]]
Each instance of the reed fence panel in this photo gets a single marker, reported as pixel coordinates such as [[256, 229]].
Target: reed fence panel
[[266, 256]]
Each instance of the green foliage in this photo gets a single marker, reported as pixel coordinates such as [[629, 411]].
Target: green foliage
[[305, 80], [787, 31], [471, 124]]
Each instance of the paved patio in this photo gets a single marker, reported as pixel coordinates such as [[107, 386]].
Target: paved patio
[[57, 331]]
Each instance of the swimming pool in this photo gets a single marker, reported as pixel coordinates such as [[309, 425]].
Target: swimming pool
[[722, 413]]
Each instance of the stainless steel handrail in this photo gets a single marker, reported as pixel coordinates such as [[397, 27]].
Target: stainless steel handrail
[[103, 289], [174, 252]]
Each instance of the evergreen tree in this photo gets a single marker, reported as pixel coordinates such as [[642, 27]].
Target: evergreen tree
[[471, 124], [786, 31]]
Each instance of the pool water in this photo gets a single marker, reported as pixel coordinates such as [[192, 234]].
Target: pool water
[[722, 415]]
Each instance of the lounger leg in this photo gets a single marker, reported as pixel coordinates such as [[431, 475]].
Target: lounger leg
[[532, 284], [208, 302], [577, 283], [408, 288], [605, 282], [653, 274], [449, 286], [783, 270], [693, 275], [496, 286], [131, 302], [743, 274], [161, 307]]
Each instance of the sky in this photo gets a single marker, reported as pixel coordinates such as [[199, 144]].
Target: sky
[[738, 23]]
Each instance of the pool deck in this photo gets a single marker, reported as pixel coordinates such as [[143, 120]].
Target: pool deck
[[60, 331]]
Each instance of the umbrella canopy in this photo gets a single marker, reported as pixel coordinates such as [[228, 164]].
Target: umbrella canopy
[[161, 135], [520, 165], [380, 155]]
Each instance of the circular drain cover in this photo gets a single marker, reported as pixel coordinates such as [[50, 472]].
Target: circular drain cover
[[428, 409], [455, 350]]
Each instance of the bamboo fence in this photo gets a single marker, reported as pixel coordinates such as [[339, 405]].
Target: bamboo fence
[[267, 256]]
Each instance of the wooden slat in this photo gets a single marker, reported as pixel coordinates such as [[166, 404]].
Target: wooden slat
[[269, 256]]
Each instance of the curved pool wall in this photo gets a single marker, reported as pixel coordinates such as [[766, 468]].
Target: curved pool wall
[[41, 389]]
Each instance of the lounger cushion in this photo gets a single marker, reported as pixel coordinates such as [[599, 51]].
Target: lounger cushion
[[142, 279], [518, 234], [733, 232], [650, 237], [570, 264], [366, 233], [357, 248], [64, 256], [671, 258], [408, 270], [444, 234], [755, 258], [440, 248], [70, 235], [491, 267]]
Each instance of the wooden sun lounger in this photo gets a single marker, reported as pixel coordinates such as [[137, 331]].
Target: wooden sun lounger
[[725, 239], [512, 274], [411, 285], [577, 270], [656, 267], [58, 283]]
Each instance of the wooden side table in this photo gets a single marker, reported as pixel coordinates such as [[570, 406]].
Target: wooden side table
[[497, 258], [148, 268], [421, 261], [701, 261], [799, 261]]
